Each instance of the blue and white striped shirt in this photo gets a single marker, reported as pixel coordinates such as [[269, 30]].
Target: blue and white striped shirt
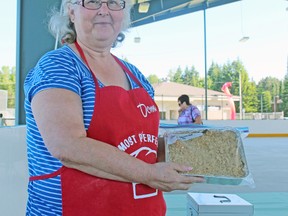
[[60, 68]]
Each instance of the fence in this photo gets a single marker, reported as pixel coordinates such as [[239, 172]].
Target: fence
[[263, 116]]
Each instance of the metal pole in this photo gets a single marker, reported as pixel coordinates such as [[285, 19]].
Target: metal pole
[[222, 106], [205, 62], [161, 117], [1, 120], [240, 95], [202, 105], [261, 105], [274, 109]]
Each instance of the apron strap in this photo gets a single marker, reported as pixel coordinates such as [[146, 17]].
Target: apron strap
[[80, 50], [127, 71], [46, 176]]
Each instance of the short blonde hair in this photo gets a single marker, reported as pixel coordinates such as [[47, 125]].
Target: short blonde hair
[[61, 27]]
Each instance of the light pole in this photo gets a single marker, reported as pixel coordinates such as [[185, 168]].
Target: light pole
[[240, 95], [261, 105], [205, 60], [242, 40]]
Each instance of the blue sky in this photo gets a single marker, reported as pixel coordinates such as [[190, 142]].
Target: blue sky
[[8, 33], [165, 45]]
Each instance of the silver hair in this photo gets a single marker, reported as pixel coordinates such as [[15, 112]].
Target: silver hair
[[61, 27]]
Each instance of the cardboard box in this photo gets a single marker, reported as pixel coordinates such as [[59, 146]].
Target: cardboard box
[[210, 204]]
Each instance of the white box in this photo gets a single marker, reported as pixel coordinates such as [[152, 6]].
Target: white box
[[210, 204]]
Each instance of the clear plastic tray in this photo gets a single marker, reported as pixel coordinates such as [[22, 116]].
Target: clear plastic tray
[[214, 153]]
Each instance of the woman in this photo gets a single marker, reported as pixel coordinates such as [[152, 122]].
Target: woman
[[188, 113], [92, 124]]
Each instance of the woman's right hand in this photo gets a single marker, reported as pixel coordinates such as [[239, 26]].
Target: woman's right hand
[[165, 176]]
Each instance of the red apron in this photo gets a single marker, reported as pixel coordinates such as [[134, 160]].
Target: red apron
[[128, 120]]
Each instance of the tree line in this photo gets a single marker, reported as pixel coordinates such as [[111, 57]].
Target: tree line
[[268, 95], [8, 83]]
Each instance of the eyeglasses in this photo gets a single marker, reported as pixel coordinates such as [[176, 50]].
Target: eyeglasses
[[114, 5]]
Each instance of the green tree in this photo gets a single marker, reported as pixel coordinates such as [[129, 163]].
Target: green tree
[[269, 84], [8, 82], [285, 96], [250, 100], [255, 97], [215, 78], [248, 88], [176, 76], [266, 101], [153, 79], [191, 77], [231, 72]]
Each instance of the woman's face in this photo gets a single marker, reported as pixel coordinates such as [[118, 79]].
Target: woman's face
[[182, 105], [96, 27]]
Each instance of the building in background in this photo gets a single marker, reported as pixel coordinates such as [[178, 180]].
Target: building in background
[[7, 115], [3, 100], [167, 93]]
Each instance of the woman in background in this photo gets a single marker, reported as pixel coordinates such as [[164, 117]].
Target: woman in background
[[188, 113]]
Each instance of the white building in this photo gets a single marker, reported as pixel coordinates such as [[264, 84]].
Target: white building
[[167, 93], [3, 100]]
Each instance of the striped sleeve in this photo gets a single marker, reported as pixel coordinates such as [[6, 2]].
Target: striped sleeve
[[54, 70]]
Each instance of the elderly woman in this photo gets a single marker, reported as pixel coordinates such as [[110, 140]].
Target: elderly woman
[[92, 123]]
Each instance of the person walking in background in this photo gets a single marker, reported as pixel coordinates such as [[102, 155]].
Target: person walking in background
[[188, 113], [92, 145]]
